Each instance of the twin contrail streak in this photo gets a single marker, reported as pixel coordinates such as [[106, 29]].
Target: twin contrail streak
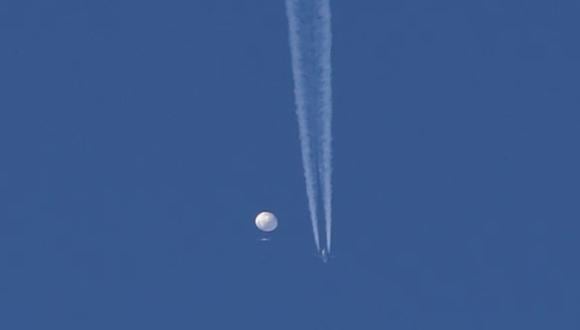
[[310, 47]]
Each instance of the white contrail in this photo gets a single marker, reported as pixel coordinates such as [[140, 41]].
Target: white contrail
[[326, 109], [310, 46]]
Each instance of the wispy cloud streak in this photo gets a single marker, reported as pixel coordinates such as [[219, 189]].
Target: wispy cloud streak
[[310, 46]]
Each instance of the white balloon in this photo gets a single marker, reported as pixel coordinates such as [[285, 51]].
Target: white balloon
[[266, 221]]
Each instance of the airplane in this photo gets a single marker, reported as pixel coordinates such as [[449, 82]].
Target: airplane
[[324, 255]]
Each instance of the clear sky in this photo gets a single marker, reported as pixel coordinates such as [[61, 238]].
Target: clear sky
[[138, 139]]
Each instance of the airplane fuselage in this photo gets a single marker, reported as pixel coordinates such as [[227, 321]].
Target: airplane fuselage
[[324, 255]]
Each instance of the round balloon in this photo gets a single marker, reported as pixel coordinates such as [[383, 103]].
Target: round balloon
[[266, 221]]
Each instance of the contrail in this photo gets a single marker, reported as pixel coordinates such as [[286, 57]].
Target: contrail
[[310, 47]]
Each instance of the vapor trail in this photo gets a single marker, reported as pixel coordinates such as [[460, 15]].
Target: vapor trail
[[310, 46]]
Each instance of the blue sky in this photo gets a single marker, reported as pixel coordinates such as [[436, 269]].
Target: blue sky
[[139, 139]]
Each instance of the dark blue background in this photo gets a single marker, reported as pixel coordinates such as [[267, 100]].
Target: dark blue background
[[138, 139]]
